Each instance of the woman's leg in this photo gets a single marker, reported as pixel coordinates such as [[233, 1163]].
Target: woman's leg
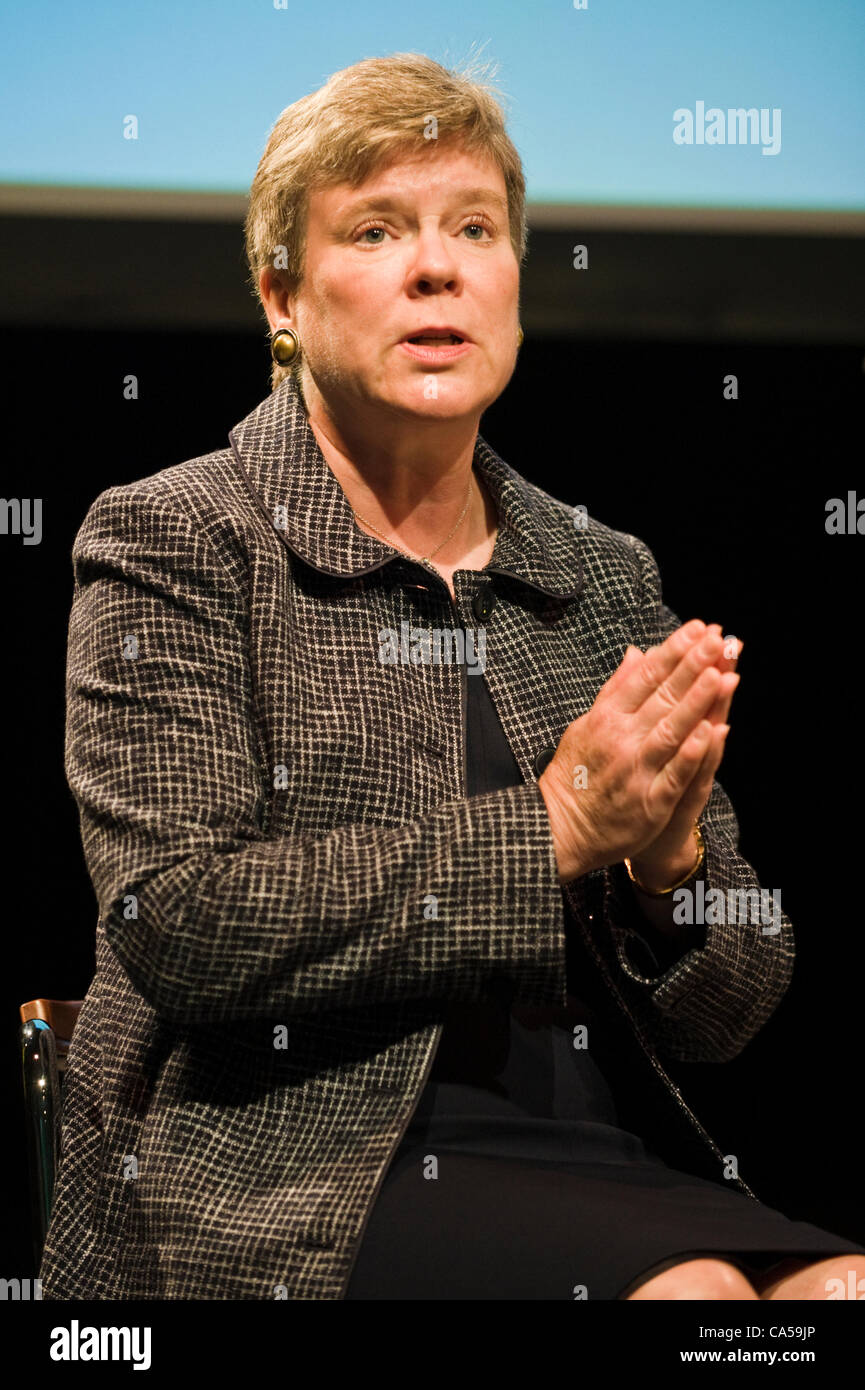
[[840, 1276], [697, 1279]]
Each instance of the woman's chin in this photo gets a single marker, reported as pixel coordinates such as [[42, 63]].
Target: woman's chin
[[440, 395]]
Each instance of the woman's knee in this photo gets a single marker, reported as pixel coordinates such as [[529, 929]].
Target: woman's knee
[[838, 1276], [697, 1279]]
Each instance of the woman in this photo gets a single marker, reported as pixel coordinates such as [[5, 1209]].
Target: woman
[[386, 964]]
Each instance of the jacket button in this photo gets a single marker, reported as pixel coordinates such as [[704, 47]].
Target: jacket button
[[316, 1242], [484, 602], [543, 759]]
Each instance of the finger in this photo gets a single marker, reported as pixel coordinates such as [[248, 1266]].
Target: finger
[[720, 710], [660, 743], [633, 682], [693, 803], [676, 775], [694, 661], [697, 794], [700, 655], [731, 653]]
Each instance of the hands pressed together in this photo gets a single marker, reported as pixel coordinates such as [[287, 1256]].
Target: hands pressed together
[[651, 745]]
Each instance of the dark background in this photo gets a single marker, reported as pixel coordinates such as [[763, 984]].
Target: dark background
[[616, 403]]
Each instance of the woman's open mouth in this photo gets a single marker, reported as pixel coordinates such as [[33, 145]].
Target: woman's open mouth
[[436, 338], [441, 348]]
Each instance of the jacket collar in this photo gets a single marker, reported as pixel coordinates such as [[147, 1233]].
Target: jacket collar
[[287, 473]]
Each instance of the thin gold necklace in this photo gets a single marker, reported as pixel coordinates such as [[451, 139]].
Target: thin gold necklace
[[407, 552]]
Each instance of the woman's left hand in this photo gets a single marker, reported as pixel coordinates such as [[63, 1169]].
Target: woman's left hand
[[669, 857]]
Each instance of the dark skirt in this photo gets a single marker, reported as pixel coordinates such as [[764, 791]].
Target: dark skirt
[[486, 1209]]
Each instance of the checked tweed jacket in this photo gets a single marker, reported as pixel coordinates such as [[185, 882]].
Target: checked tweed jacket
[[266, 808]]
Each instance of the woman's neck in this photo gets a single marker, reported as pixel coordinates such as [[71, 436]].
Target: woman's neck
[[415, 510]]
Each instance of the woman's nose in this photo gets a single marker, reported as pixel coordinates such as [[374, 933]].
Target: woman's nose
[[434, 259]]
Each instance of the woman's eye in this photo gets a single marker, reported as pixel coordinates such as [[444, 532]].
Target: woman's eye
[[469, 226]]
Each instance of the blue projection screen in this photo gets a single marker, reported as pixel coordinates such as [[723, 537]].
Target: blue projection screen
[[739, 105]]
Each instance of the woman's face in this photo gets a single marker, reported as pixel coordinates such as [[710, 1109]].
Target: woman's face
[[424, 243]]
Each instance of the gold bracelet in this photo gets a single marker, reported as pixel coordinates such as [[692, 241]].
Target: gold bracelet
[[701, 854]]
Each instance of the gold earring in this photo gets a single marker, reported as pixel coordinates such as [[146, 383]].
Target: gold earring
[[520, 336], [284, 346]]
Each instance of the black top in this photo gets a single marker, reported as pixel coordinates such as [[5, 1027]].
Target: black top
[[509, 1077], [522, 1053]]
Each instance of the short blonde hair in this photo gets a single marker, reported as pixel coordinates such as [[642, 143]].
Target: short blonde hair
[[359, 121]]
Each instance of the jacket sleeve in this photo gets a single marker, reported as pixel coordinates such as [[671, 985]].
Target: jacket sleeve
[[710, 1002], [211, 917]]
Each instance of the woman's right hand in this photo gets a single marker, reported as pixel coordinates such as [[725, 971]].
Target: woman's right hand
[[641, 744]]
